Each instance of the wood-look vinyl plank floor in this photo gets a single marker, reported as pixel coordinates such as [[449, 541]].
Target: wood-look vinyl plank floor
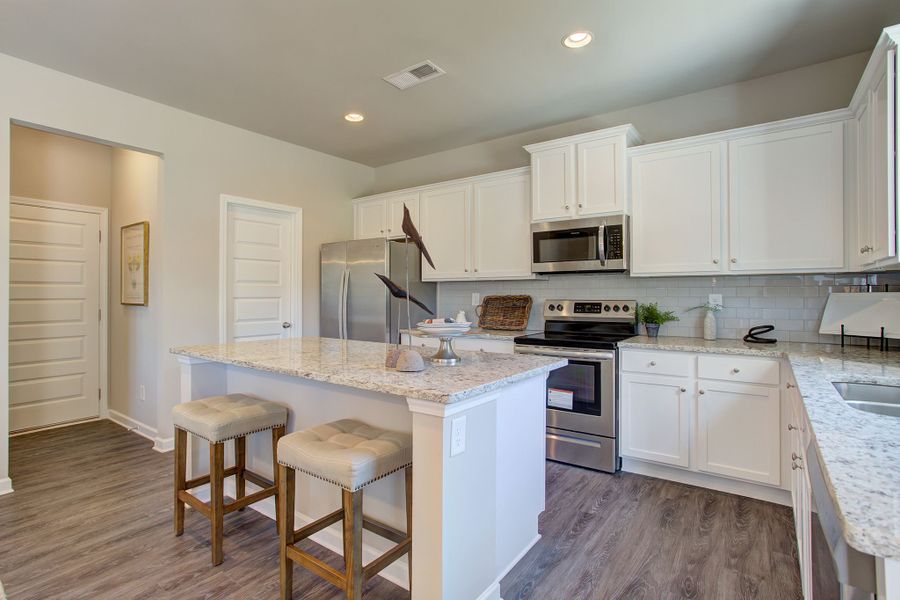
[[91, 518]]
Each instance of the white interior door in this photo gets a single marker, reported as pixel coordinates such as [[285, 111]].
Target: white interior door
[[261, 287], [54, 316]]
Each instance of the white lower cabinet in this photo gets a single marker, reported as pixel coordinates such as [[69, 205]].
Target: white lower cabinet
[[655, 418], [728, 427], [737, 430], [801, 498]]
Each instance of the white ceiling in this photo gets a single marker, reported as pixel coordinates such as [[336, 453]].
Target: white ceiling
[[291, 69]]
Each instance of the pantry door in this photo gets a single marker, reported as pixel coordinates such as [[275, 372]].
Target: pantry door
[[56, 285], [260, 271]]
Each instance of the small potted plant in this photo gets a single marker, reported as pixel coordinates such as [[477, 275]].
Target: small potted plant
[[652, 317]]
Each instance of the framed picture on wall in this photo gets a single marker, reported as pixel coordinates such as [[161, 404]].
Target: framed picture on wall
[[135, 263]]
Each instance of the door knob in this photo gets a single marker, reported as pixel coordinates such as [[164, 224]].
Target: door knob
[[286, 325]]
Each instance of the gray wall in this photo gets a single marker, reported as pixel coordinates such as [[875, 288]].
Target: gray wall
[[792, 303], [817, 88]]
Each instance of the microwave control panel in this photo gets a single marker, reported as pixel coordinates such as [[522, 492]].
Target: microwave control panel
[[614, 242]]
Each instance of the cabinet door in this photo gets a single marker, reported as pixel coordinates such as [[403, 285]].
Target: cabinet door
[[369, 219], [738, 431], [553, 183], [395, 213], [445, 225], [676, 205], [501, 229], [656, 421], [883, 183], [786, 200], [600, 171], [862, 246]]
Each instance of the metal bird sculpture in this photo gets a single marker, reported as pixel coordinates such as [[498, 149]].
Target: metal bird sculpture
[[413, 234], [398, 292]]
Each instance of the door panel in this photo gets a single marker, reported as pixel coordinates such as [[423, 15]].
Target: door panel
[[370, 219], [395, 213], [656, 418], [54, 333], [884, 137], [553, 183], [333, 265], [366, 295], [599, 186], [260, 267], [676, 202], [501, 228], [445, 218]]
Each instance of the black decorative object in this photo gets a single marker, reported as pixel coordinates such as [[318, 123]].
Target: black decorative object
[[398, 292], [753, 334], [413, 234]]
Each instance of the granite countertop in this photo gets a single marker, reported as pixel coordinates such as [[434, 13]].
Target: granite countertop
[[361, 365], [482, 334], [860, 451]]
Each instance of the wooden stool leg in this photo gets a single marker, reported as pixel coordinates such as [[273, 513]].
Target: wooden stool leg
[[180, 477], [240, 461], [277, 434], [217, 500], [285, 504], [353, 520], [409, 509]]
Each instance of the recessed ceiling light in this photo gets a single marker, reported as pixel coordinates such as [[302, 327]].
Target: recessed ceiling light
[[354, 117], [577, 39]]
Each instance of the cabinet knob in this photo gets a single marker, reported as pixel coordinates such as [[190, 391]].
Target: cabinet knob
[[580, 205], [790, 385], [715, 261], [735, 371], [701, 392], [382, 231], [795, 466], [683, 389], [865, 249], [734, 260], [795, 456], [792, 427], [652, 363], [476, 270], [465, 270], [286, 325], [389, 230]]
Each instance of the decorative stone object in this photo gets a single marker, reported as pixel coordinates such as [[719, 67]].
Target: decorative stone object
[[410, 361], [390, 359]]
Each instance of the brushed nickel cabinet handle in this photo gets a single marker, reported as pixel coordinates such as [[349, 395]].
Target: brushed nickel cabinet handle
[[683, 389], [715, 261], [734, 260], [652, 363], [735, 371], [794, 456], [701, 392], [795, 466], [791, 427], [790, 385]]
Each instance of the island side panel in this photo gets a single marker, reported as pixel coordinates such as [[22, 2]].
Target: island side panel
[[199, 379], [476, 514]]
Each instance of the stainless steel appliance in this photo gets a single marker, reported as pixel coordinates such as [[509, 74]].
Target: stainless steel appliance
[[582, 398], [354, 304], [597, 244]]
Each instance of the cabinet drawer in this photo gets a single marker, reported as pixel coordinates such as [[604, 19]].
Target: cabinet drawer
[[483, 345], [677, 364], [742, 369]]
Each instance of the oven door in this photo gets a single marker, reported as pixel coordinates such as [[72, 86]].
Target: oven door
[[581, 396]]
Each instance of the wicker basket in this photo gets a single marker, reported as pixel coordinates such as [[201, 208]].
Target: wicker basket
[[504, 312]]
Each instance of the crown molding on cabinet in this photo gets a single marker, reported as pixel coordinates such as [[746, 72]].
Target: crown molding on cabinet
[[463, 180], [889, 38], [632, 138]]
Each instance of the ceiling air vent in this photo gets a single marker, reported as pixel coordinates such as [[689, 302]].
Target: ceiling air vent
[[414, 75]]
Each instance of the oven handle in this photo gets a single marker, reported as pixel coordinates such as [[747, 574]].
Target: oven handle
[[562, 353]]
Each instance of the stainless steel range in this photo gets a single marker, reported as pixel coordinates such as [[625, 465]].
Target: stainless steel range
[[583, 397]]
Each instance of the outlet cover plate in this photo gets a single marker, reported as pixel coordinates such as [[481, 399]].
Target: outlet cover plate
[[457, 436]]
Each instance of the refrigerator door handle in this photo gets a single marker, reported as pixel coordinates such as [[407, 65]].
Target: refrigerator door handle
[[342, 317]]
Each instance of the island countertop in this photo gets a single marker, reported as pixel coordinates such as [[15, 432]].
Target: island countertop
[[360, 365], [860, 450]]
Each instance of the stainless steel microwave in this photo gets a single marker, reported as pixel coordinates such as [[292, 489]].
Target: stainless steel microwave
[[579, 245]]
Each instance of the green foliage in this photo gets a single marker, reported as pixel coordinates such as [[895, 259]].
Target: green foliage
[[650, 313]]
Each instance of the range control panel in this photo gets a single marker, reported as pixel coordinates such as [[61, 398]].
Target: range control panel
[[590, 309]]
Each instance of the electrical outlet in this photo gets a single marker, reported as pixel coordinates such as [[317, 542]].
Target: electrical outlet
[[142, 393], [476, 298], [715, 300], [457, 436]]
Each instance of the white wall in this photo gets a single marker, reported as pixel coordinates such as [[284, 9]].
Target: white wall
[[817, 88], [134, 349], [201, 159], [59, 168]]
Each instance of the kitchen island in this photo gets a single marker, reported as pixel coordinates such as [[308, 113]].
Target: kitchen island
[[476, 494]]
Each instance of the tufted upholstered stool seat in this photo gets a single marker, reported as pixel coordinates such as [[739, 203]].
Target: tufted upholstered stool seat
[[351, 455], [219, 419]]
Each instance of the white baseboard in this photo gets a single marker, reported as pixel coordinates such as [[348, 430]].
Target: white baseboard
[[492, 593], [330, 537], [142, 429], [713, 482], [163, 444], [6, 486]]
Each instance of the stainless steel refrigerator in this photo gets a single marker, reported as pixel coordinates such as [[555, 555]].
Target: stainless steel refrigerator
[[355, 304]]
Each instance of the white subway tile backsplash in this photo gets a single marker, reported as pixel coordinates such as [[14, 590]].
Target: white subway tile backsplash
[[793, 303]]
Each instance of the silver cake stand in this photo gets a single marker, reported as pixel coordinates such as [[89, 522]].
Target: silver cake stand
[[445, 356]]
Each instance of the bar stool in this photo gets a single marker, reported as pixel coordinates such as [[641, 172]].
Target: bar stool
[[349, 454], [218, 419]]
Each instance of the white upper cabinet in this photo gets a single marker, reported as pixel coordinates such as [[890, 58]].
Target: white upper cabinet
[[553, 183], [761, 199], [873, 237], [501, 230], [369, 219], [581, 175], [382, 216], [445, 227], [786, 200], [676, 199]]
